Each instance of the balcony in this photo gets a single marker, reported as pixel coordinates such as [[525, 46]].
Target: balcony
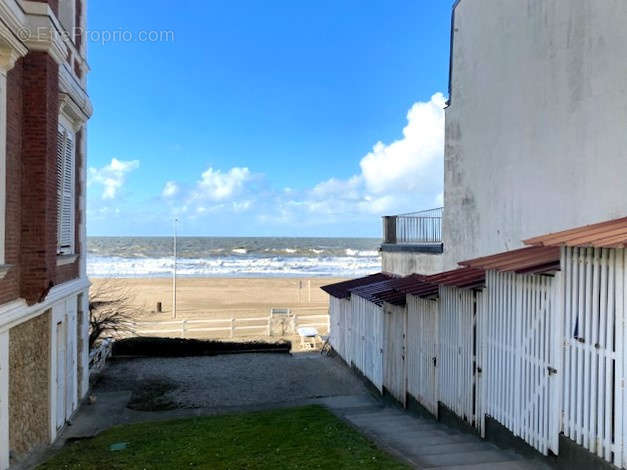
[[419, 232]]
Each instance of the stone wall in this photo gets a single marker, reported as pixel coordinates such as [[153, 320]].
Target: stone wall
[[29, 365]]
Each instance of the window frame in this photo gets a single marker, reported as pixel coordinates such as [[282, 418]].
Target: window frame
[[3, 164], [67, 13]]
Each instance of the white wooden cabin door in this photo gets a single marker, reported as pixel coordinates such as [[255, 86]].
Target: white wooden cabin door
[[594, 286], [395, 372], [71, 383], [4, 400], [60, 375], [422, 351], [522, 357], [456, 368]]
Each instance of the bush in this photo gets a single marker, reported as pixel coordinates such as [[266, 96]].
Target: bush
[[179, 347]]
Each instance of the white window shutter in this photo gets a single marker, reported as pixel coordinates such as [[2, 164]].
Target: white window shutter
[[60, 165], [66, 201]]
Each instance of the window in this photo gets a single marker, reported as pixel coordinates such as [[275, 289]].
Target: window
[[67, 16], [66, 199]]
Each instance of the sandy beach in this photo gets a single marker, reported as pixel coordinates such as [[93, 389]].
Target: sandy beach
[[207, 298]]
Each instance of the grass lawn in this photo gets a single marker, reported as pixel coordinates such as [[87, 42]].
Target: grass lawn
[[307, 438]]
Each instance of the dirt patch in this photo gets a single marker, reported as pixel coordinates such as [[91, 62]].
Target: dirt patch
[[152, 395], [178, 347]]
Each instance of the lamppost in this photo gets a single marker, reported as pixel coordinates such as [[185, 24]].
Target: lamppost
[[174, 273]]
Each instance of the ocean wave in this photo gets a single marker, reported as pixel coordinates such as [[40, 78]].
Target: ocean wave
[[365, 253], [220, 247], [235, 266]]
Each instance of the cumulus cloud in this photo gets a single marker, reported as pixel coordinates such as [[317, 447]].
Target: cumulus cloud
[[218, 186], [402, 175], [402, 163], [170, 189], [112, 176], [215, 191]]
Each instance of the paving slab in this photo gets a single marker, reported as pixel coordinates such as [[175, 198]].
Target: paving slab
[[425, 443]]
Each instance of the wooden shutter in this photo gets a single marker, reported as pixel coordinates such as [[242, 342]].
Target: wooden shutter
[[60, 164], [65, 185]]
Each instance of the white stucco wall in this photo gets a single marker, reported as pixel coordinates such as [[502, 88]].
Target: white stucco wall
[[403, 263], [536, 131]]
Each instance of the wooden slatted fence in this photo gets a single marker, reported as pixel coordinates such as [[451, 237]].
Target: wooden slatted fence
[[593, 394], [394, 355], [223, 327], [522, 357], [366, 339], [456, 377], [422, 351]]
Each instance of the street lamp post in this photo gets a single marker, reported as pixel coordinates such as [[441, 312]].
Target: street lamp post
[[174, 274]]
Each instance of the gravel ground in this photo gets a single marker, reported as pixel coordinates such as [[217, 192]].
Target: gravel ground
[[234, 380]]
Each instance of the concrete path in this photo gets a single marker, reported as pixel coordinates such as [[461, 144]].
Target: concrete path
[[424, 443]]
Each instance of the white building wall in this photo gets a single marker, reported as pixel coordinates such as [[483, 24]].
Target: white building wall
[[535, 130], [405, 263]]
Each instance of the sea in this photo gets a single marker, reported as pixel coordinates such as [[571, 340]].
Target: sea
[[152, 257]]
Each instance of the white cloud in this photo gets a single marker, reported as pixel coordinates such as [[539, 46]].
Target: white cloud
[[112, 176], [217, 186], [170, 189], [242, 206], [402, 163], [400, 176], [403, 175]]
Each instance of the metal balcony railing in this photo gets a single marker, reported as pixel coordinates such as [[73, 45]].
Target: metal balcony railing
[[424, 227]]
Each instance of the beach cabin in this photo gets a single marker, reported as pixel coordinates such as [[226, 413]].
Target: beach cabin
[[340, 312], [421, 343], [592, 305], [519, 343], [396, 356], [368, 331], [442, 316]]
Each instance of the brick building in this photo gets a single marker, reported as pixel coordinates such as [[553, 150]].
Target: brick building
[[44, 109]]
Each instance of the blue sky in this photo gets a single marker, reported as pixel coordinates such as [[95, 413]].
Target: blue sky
[[279, 118]]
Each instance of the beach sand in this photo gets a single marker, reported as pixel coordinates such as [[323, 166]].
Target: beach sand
[[224, 297]]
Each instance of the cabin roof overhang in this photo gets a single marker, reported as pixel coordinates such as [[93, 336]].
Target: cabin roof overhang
[[609, 234], [342, 290], [528, 260], [389, 291]]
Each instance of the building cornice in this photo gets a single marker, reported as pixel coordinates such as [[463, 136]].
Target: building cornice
[[8, 57], [18, 311], [11, 46], [77, 114], [42, 32], [13, 22]]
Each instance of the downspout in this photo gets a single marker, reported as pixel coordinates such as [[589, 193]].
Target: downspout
[[450, 57]]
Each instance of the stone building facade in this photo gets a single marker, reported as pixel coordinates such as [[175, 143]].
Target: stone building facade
[[44, 109]]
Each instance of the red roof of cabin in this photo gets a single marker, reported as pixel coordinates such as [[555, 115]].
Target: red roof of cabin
[[341, 290], [610, 234], [533, 259], [372, 292]]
